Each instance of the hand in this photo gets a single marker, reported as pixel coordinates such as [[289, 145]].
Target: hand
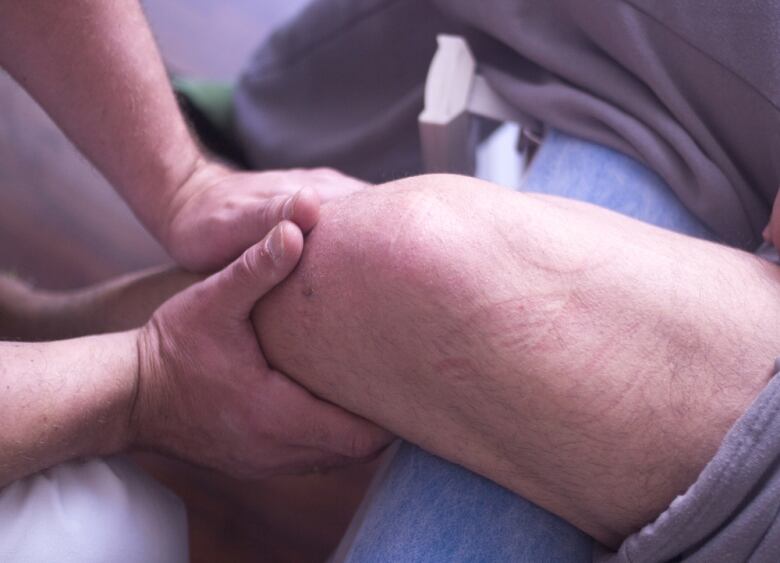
[[219, 212], [207, 395]]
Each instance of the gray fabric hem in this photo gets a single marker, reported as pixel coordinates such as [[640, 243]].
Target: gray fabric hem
[[729, 511]]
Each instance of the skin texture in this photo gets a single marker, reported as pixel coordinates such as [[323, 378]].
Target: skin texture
[[219, 212], [94, 68], [58, 402], [206, 394], [191, 383], [584, 360]]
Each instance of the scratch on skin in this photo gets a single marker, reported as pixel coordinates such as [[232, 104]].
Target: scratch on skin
[[604, 351], [522, 324], [621, 389]]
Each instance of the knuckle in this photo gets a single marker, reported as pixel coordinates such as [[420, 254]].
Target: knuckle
[[219, 220], [272, 211]]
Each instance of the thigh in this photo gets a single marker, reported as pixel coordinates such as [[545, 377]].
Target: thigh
[[584, 360]]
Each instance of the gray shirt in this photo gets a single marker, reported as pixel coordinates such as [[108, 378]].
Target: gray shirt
[[689, 87]]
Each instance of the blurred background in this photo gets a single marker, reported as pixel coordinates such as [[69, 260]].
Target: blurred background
[[62, 226]]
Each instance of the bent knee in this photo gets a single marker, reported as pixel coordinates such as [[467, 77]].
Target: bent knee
[[397, 234], [396, 267], [416, 232], [92, 511]]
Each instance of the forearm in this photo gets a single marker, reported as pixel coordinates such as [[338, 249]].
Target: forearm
[[95, 69], [119, 304], [63, 400]]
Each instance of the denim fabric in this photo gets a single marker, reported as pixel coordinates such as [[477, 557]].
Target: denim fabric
[[422, 508], [570, 167], [426, 509]]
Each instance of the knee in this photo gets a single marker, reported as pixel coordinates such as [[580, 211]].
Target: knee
[[390, 268], [92, 511], [396, 236]]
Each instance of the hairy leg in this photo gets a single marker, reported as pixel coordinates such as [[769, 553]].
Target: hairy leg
[[584, 360]]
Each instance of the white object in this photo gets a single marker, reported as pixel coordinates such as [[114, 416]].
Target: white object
[[95, 511], [454, 92]]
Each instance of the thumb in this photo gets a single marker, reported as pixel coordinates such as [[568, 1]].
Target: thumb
[[303, 209], [237, 288]]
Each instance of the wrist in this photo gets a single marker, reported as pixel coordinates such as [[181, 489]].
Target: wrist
[[201, 175], [94, 400], [65, 399], [144, 409], [154, 191]]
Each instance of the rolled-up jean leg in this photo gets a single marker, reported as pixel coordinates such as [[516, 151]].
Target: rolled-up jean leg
[[94, 511]]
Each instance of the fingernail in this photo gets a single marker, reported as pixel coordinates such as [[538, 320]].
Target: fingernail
[[289, 206], [275, 244]]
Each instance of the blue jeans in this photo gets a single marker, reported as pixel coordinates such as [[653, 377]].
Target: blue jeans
[[422, 508]]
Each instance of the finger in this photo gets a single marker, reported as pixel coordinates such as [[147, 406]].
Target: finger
[[254, 221], [302, 208], [330, 428], [237, 288]]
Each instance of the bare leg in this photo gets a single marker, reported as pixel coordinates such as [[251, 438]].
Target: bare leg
[[584, 360]]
